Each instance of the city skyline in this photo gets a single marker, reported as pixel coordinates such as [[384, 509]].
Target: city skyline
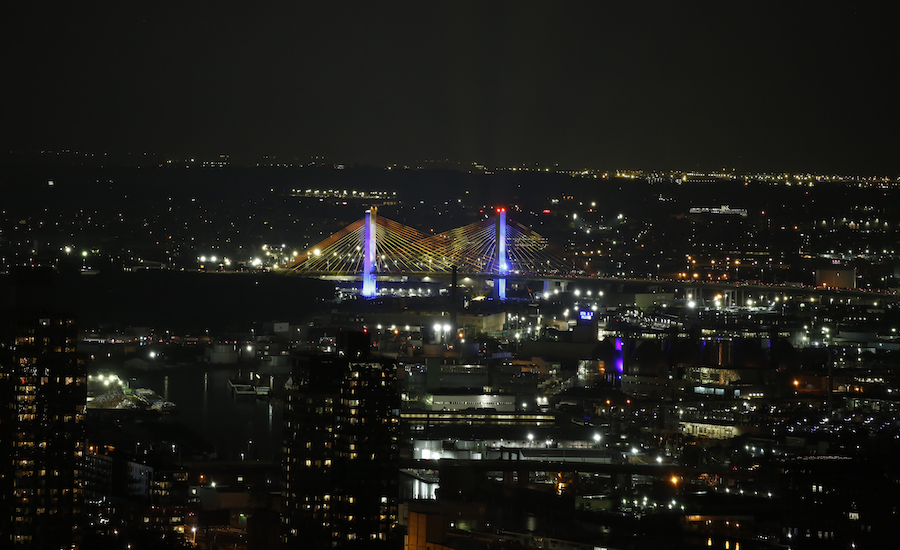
[[711, 348], [699, 86], [449, 276]]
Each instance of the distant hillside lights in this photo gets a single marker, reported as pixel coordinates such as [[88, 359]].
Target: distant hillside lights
[[803, 180], [725, 209], [343, 194], [207, 263]]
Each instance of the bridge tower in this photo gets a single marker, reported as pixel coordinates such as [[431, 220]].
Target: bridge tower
[[369, 260], [500, 253]]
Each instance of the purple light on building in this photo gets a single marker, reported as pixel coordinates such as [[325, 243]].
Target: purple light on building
[[619, 360]]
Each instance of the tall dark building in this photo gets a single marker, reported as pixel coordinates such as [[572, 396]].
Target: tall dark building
[[43, 396], [341, 427], [840, 502]]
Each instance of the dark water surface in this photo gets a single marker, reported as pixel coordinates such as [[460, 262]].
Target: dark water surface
[[182, 302], [233, 424]]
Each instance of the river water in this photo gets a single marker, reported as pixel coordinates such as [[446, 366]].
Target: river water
[[239, 427]]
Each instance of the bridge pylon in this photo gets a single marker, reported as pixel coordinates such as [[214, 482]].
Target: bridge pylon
[[500, 253], [369, 289]]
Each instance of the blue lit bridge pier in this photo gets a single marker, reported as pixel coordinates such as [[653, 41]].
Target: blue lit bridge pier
[[368, 275], [500, 254]]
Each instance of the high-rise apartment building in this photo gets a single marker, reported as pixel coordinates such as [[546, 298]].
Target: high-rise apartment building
[[341, 428], [42, 395]]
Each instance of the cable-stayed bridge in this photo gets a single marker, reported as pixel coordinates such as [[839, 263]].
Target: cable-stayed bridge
[[375, 245], [497, 249]]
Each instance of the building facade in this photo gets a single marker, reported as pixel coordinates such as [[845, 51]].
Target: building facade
[[341, 428], [43, 396]]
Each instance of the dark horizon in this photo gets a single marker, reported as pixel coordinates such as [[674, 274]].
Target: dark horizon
[[67, 157], [657, 86]]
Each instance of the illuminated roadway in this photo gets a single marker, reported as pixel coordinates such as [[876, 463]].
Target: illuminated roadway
[[663, 471], [747, 289]]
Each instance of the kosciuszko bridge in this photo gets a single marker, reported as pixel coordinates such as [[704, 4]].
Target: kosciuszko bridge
[[376, 246]]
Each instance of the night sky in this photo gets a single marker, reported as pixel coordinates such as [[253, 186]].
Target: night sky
[[790, 86]]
